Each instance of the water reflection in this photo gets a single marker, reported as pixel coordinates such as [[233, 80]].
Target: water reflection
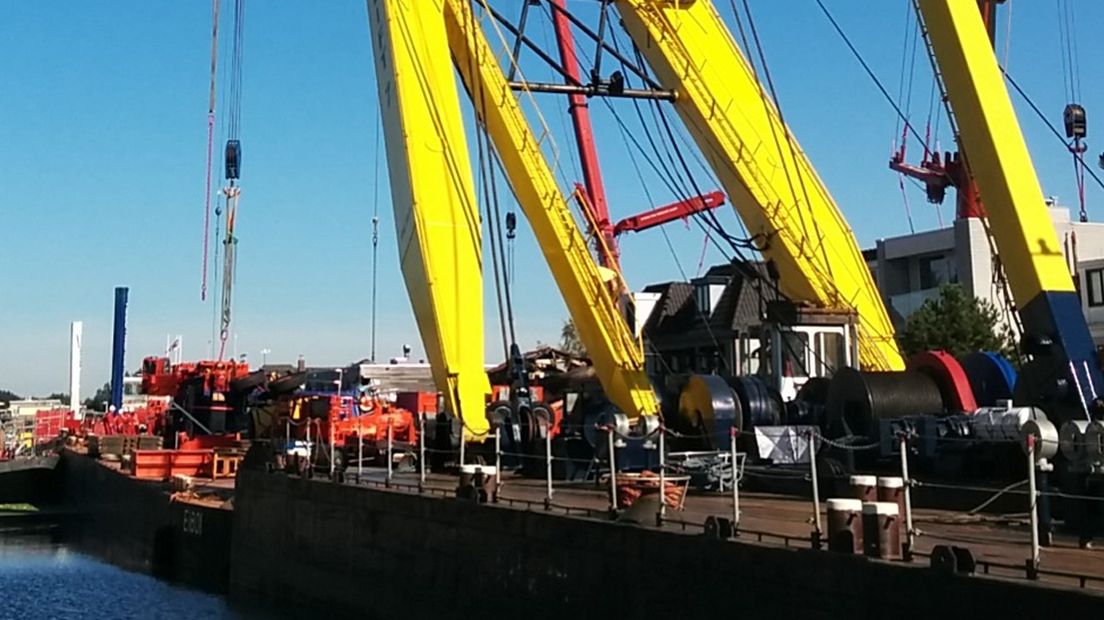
[[41, 578]]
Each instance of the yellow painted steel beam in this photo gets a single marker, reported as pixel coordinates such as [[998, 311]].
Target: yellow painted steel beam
[[995, 149], [769, 180], [436, 214], [615, 353]]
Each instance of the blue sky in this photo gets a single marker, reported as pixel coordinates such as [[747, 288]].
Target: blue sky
[[102, 159]]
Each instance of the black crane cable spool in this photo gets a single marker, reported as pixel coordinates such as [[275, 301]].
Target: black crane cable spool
[[760, 404], [858, 399]]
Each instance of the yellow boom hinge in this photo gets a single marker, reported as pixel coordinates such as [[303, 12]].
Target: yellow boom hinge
[[615, 353], [436, 213], [769, 180]]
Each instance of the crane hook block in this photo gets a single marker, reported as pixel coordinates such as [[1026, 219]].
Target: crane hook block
[[233, 159], [1076, 125]]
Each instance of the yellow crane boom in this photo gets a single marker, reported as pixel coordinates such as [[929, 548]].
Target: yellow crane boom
[[769, 180], [1064, 372], [436, 214], [615, 352]]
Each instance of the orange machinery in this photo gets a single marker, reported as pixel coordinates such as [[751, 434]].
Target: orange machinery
[[312, 418], [209, 395]]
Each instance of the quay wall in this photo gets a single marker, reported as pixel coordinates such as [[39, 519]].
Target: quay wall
[[378, 554]]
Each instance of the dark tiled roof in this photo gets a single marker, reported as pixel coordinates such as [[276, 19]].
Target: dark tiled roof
[[738, 309]]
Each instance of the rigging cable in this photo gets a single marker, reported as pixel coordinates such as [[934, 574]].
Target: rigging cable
[[910, 64], [232, 165], [489, 195], [210, 145], [1074, 114], [867, 69], [375, 228]]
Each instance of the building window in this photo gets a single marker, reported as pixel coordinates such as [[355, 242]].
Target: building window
[[1094, 280], [935, 271]]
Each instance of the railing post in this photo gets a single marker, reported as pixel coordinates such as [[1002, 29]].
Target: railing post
[[547, 464], [910, 532], [333, 448], [390, 443], [613, 467], [735, 484], [421, 452], [662, 512], [310, 446], [463, 440], [1033, 561], [817, 531], [360, 451], [498, 458]]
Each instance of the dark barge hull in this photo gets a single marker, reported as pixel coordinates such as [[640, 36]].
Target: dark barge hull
[[136, 525], [28, 480], [380, 553]]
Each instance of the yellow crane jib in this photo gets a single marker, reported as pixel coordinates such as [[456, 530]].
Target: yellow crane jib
[[769, 180], [1065, 367], [436, 214], [615, 352]]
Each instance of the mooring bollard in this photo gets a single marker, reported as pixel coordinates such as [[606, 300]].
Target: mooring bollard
[[613, 468], [910, 533], [1033, 494], [421, 453], [390, 465], [662, 478], [817, 532], [735, 484]]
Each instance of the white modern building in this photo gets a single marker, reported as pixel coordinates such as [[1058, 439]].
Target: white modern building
[[910, 269]]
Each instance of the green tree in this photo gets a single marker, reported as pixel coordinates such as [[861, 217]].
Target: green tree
[[569, 339], [957, 323], [7, 397], [100, 399], [64, 398]]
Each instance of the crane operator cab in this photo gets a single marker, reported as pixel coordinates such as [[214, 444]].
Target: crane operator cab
[[802, 343]]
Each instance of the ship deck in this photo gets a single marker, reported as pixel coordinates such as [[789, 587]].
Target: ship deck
[[1001, 544]]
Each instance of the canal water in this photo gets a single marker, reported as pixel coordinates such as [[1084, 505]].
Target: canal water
[[41, 578]]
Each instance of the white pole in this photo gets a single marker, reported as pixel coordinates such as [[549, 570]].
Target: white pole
[[816, 490], [662, 477], [310, 446], [735, 484], [613, 468], [390, 442], [1034, 495], [76, 334], [910, 533]]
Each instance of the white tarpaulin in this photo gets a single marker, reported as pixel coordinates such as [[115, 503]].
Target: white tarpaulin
[[784, 445]]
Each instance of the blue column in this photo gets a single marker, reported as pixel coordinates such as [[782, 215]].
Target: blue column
[[118, 347]]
